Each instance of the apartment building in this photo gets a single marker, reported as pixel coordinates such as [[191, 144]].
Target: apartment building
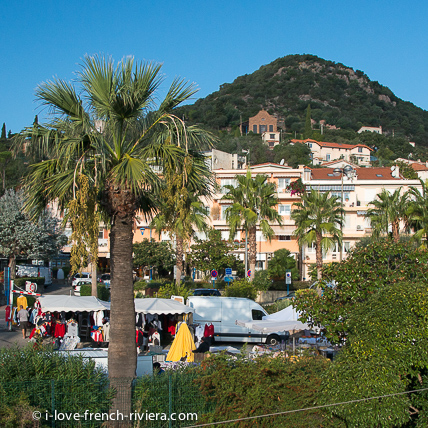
[[359, 189], [326, 152]]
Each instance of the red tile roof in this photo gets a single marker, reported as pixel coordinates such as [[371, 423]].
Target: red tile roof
[[332, 145], [418, 167], [381, 173]]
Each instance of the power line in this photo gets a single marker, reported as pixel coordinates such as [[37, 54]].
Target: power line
[[307, 408]]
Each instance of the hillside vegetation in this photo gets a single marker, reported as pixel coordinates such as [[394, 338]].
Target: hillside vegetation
[[342, 97]]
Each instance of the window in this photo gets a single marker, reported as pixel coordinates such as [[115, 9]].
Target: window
[[263, 128], [283, 183], [346, 247], [259, 264], [360, 150], [311, 248], [284, 237], [223, 209], [227, 182], [255, 129], [270, 128], [327, 156], [310, 145], [272, 136], [257, 314], [101, 233], [284, 209]]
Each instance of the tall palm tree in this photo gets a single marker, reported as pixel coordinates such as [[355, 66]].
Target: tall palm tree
[[180, 209], [107, 127], [318, 220], [253, 202], [417, 212], [389, 210]]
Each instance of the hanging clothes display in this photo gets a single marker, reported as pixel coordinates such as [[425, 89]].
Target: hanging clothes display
[[21, 301]]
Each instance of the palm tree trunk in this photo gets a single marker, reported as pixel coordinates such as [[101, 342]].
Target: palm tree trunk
[[396, 231], [122, 355], [12, 266], [179, 259], [252, 251], [94, 291], [319, 261]]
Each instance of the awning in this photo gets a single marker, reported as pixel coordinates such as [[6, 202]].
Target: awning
[[161, 306], [90, 303], [52, 303]]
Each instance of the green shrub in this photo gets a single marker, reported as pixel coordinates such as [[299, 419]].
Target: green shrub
[[241, 288], [40, 281], [240, 388], [168, 290], [140, 285], [103, 293], [261, 280], [33, 378], [139, 295]]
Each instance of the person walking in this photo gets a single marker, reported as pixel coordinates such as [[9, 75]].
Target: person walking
[[23, 320]]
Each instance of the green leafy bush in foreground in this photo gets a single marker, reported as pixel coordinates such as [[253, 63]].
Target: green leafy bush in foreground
[[38, 378], [244, 388]]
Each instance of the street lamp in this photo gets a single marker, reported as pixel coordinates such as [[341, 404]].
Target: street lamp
[[345, 171]]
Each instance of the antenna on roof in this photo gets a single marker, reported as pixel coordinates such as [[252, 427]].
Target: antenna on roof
[[282, 162]]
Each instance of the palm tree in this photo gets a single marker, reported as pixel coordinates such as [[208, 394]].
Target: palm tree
[[108, 129], [253, 201], [318, 220], [180, 209], [417, 212], [389, 209]]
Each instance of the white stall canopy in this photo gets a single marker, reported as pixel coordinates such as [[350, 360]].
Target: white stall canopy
[[90, 303], [52, 303], [161, 306]]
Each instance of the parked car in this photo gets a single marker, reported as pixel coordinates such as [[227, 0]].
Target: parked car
[[290, 295], [77, 276], [206, 292], [79, 283], [106, 278]]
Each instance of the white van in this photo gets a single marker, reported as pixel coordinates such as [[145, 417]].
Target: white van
[[35, 271], [223, 312]]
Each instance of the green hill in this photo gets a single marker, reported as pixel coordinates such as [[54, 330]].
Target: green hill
[[341, 96]]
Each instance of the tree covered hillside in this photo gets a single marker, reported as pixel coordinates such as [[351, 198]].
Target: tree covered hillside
[[341, 96]]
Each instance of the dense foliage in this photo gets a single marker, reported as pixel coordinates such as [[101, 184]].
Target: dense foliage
[[241, 388], [241, 288], [366, 270], [341, 96], [282, 261], [386, 353], [34, 378], [214, 253], [158, 255]]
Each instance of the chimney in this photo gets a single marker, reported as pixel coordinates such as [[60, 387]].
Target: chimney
[[396, 172]]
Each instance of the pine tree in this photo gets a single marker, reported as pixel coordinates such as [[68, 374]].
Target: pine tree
[[3, 132]]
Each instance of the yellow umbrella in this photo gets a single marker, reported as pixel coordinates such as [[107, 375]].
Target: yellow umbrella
[[182, 345]]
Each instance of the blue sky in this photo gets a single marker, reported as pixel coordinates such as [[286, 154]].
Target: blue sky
[[209, 43]]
